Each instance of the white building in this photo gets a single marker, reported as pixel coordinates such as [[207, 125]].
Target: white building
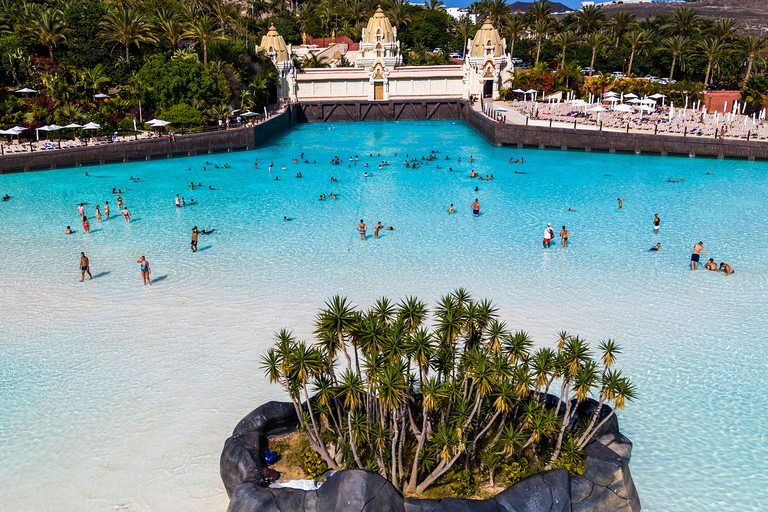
[[379, 76]]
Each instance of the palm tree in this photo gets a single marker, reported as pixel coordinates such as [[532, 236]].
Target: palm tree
[[676, 45], [752, 46], [594, 41], [224, 13], [92, 79], [204, 30], [338, 319], [724, 29], [513, 26], [622, 22], [398, 13], [50, 29], [541, 28], [564, 40], [434, 5], [313, 61], [540, 10], [590, 18], [712, 49], [498, 9], [636, 39], [126, 27], [172, 30], [684, 22]]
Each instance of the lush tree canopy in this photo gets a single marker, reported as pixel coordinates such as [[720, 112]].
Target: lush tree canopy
[[168, 82]]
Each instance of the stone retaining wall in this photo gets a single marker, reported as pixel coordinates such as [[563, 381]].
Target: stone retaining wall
[[151, 149], [605, 486]]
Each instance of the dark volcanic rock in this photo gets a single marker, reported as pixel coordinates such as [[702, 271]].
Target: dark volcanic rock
[[250, 497], [417, 505], [606, 485], [235, 464], [617, 443], [358, 490], [548, 491], [272, 418], [460, 505]]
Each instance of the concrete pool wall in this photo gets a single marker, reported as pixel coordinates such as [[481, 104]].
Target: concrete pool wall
[[426, 109]]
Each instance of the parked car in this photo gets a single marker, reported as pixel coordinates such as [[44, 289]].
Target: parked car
[[516, 61], [455, 55], [619, 74], [585, 71], [650, 78]]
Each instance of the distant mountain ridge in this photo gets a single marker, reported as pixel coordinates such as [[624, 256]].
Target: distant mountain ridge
[[523, 6]]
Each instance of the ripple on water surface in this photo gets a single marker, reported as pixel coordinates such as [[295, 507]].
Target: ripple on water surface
[[115, 395]]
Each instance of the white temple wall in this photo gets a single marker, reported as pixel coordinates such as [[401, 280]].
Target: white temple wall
[[332, 89], [430, 86]]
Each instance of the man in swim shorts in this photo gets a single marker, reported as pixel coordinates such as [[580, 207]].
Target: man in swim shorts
[[376, 231], [726, 268], [361, 228], [84, 267], [193, 244], [655, 247], [475, 208], [711, 265], [697, 249]]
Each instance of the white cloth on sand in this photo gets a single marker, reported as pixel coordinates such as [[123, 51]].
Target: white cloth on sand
[[304, 485]]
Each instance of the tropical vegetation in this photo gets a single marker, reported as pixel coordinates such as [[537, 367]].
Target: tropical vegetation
[[71, 50], [417, 394]]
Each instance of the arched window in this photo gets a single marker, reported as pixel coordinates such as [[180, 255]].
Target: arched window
[[379, 36]]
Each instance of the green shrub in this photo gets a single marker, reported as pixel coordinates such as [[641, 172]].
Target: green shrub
[[465, 485], [516, 470], [312, 464]]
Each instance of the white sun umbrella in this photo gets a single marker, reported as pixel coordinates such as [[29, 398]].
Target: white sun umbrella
[[101, 96], [612, 99], [623, 108], [518, 90], [91, 126], [37, 131], [630, 95], [25, 90], [648, 101], [611, 93], [158, 123], [646, 107], [151, 121], [54, 127], [19, 129], [657, 96], [74, 125], [598, 109], [634, 100]]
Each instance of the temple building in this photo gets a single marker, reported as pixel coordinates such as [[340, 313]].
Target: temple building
[[378, 73]]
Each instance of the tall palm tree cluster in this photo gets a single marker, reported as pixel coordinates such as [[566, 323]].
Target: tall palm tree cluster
[[667, 43], [413, 396]]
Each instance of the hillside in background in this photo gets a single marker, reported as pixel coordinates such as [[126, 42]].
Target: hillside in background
[[523, 6], [751, 14]]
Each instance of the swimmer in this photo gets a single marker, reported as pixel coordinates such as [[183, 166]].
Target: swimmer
[[298, 175], [451, 209], [390, 228], [182, 202], [361, 229], [6, 197], [191, 186], [286, 219], [655, 247], [620, 200], [376, 232], [697, 249], [477, 189], [211, 188], [191, 201], [726, 268], [277, 179], [144, 270], [475, 208], [126, 215], [333, 196], [68, 231], [570, 209], [710, 265], [84, 267], [564, 235]]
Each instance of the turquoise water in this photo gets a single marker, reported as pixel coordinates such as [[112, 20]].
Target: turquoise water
[[116, 395]]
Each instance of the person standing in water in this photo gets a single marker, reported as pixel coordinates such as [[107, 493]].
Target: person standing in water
[[620, 200], [81, 211], [361, 228], [84, 267], [475, 208], [178, 202], [193, 245], [564, 235], [98, 213], [376, 232], [549, 234], [86, 225], [697, 249], [144, 270], [656, 222], [106, 210]]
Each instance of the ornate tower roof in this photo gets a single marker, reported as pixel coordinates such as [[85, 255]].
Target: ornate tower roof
[[487, 41], [379, 29], [274, 46]]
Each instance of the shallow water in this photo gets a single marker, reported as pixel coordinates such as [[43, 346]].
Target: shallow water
[[116, 395]]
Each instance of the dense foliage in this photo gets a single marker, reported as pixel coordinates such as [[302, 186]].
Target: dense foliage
[[389, 389]]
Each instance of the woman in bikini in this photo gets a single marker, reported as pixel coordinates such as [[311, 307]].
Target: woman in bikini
[[98, 213], [144, 270], [361, 228], [106, 210]]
